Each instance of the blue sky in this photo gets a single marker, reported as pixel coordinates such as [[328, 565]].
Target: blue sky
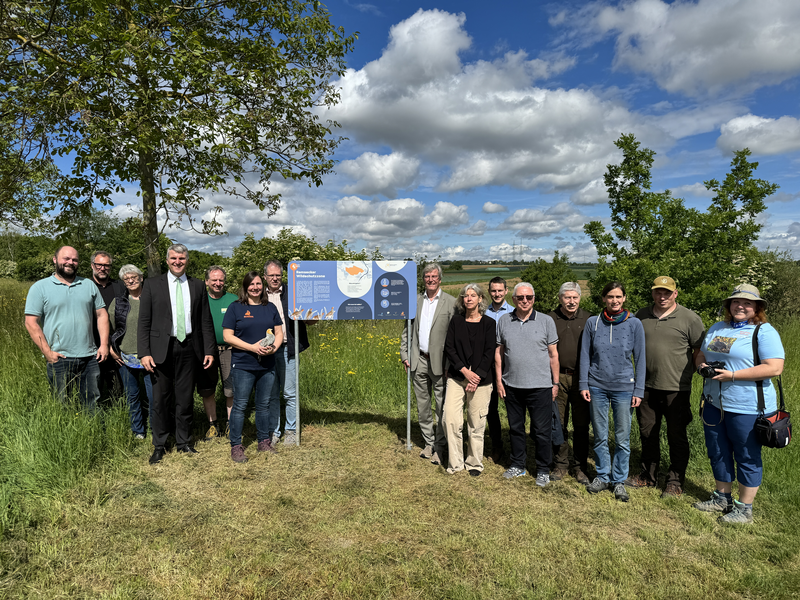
[[477, 130]]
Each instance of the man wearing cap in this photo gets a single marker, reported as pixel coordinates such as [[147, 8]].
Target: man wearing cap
[[673, 335]]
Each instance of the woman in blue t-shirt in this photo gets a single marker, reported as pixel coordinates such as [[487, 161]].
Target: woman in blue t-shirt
[[731, 400], [247, 326]]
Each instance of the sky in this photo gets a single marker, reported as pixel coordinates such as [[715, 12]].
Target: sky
[[481, 131]]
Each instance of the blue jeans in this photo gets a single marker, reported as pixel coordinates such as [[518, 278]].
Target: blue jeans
[[285, 372], [621, 405], [243, 383], [67, 373], [733, 447], [133, 393]]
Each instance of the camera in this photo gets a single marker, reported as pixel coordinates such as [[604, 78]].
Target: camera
[[709, 370]]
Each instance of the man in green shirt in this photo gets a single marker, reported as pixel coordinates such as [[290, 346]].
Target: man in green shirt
[[218, 302], [673, 335]]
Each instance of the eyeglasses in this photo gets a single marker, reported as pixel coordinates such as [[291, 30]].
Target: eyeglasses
[[524, 297], [272, 276], [101, 265], [131, 279]]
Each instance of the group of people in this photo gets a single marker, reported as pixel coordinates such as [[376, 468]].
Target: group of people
[[163, 338], [471, 351]]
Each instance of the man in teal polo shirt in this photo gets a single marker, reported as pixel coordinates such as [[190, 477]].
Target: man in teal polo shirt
[[59, 315]]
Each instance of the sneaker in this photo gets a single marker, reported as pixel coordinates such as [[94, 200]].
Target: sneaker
[[266, 446], [427, 452], [290, 439], [581, 477], [717, 503], [474, 472], [640, 481], [542, 479], [275, 438], [558, 474], [514, 472], [237, 454], [673, 490], [739, 514], [435, 459], [620, 493], [211, 433], [139, 436], [598, 485]]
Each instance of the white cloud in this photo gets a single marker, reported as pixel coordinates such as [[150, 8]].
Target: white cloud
[[476, 229], [493, 207], [697, 190], [380, 174], [485, 122], [703, 47], [594, 192], [533, 223], [762, 136]]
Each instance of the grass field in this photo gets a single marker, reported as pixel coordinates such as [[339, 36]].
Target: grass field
[[350, 513]]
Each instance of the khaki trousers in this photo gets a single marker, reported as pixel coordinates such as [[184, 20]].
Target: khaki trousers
[[477, 407]]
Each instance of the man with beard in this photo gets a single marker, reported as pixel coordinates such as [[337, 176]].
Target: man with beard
[[110, 382], [59, 315]]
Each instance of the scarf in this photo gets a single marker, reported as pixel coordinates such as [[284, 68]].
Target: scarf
[[616, 319]]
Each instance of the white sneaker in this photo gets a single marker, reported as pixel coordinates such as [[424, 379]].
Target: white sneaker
[[542, 479]]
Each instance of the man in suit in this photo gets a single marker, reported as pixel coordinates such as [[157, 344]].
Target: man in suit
[[175, 336], [425, 358]]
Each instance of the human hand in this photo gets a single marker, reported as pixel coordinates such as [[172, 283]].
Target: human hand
[[148, 363], [586, 395]]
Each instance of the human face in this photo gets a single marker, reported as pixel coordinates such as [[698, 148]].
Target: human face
[[176, 263], [274, 274], [614, 300], [664, 299], [66, 263], [216, 283], [570, 302], [471, 300], [524, 299], [498, 293], [132, 281], [742, 310], [101, 267], [254, 291], [432, 280]]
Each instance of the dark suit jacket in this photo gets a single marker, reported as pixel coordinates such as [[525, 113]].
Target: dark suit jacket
[[155, 319]]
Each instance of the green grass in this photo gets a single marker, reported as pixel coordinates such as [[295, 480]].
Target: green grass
[[350, 513]]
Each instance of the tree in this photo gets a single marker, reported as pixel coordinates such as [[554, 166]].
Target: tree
[[654, 234], [181, 98], [253, 254], [546, 279]]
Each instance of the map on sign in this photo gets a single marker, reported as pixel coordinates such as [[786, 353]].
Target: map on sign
[[351, 289]]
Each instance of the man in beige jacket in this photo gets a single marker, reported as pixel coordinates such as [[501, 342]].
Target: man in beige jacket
[[425, 358]]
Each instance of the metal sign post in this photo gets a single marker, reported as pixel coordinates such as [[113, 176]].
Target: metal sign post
[[409, 333], [297, 377]]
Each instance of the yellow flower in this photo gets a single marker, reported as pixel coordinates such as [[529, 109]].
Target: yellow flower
[[351, 372]]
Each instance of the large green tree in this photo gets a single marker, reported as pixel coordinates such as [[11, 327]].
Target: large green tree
[[653, 233], [546, 279], [184, 99]]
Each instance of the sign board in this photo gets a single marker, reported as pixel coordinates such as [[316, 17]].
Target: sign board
[[351, 289]]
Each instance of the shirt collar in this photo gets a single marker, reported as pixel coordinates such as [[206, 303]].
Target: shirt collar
[[182, 278], [504, 307], [515, 316], [279, 291], [436, 297]]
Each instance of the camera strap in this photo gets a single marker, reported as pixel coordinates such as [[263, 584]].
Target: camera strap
[[760, 383]]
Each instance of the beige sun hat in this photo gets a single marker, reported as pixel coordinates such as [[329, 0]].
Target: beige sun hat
[[744, 291]]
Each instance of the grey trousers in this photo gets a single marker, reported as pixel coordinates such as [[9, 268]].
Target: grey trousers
[[425, 383]]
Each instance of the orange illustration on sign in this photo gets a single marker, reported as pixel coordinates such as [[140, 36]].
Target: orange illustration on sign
[[354, 270]]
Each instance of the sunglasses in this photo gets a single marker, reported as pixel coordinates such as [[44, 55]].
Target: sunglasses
[[524, 297]]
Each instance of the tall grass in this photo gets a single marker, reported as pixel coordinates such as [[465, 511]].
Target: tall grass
[[46, 448]]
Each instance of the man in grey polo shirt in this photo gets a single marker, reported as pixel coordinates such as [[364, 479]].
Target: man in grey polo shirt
[[59, 315], [673, 335], [526, 364]]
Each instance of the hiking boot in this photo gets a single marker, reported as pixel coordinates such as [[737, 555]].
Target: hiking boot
[[739, 514], [211, 433], [291, 438], [598, 485], [427, 452], [558, 474], [496, 455], [474, 472], [542, 479], [514, 472], [266, 446], [275, 438], [673, 490], [717, 503], [640, 481], [620, 493], [435, 459], [581, 477], [237, 454]]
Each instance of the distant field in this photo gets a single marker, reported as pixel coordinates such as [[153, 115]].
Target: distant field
[[481, 273]]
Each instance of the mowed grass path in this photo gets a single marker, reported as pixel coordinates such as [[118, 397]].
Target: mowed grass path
[[351, 513]]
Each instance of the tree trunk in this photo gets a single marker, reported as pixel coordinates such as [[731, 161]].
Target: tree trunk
[[148, 187]]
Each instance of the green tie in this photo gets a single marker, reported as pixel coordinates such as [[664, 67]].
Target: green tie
[[180, 328]]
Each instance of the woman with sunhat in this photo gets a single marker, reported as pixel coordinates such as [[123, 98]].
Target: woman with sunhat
[[730, 400]]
